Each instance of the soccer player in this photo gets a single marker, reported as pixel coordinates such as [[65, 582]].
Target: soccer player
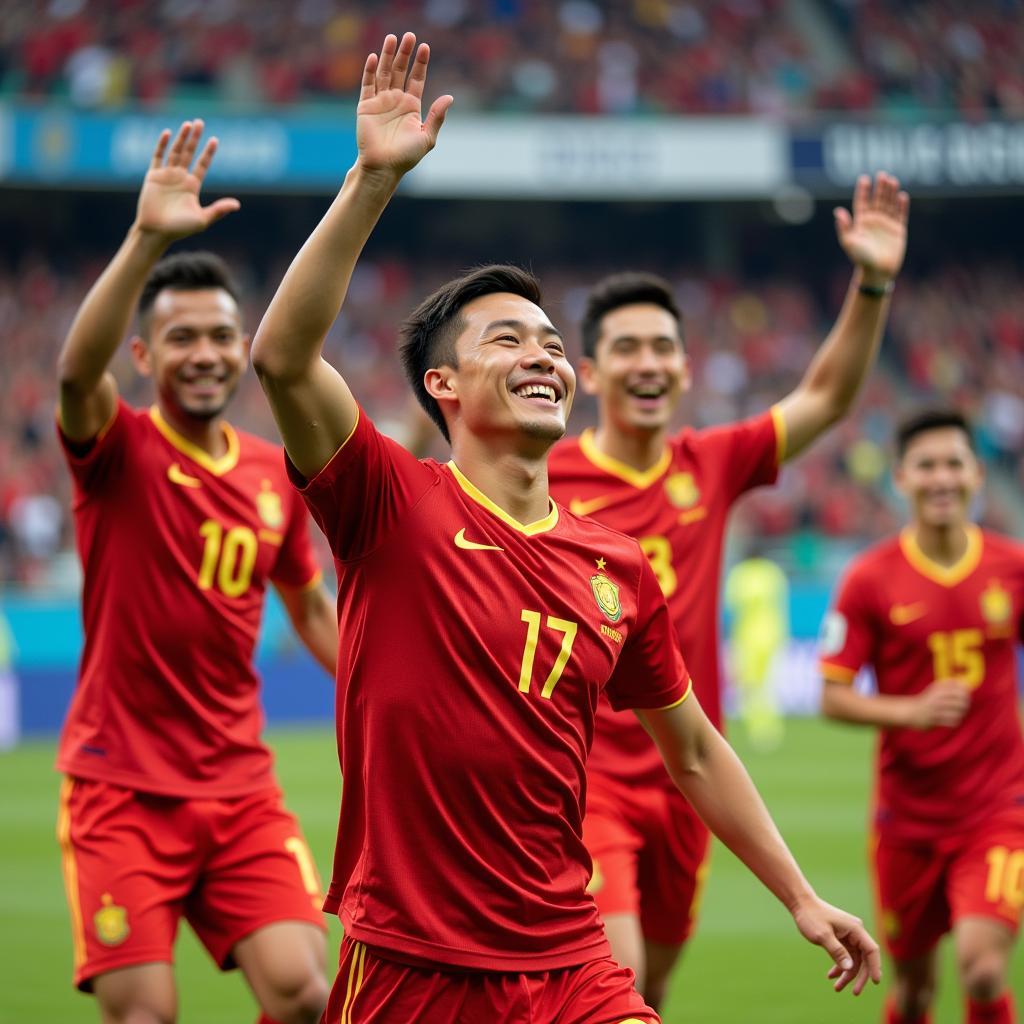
[[757, 600], [674, 493], [170, 808], [480, 622], [938, 613]]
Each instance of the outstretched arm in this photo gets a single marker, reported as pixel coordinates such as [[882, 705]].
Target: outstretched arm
[[715, 782], [168, 209], [312, 404], [875, 239]]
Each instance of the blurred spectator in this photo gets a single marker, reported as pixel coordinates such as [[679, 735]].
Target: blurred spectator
[[686, 56]]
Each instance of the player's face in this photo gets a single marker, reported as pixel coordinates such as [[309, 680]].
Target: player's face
[[639, 370], [513, 376], [939, 476], [196, 351]]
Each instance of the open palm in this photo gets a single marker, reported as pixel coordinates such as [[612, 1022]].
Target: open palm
[[389, 131], [169, 201], [875, 236]]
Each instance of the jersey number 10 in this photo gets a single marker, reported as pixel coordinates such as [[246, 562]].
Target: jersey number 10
[[228, 558]]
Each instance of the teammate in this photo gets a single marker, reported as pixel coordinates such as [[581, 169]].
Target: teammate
[[170, 808], [673, 493], [938, 612], [480, 622]]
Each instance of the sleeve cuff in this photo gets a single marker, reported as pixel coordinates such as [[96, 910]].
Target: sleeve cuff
[[833, 673]]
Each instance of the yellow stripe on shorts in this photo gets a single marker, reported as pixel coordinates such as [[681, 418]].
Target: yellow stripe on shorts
[[70, 871], [355, 982]]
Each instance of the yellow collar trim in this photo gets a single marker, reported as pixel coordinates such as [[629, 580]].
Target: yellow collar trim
[[541, 526], [945, 575], [641, 479], [218, 467]]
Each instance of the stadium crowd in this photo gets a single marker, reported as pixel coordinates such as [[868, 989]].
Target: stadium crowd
[[760, 56], [957, 335]]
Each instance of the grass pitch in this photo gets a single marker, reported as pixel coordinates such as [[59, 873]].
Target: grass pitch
[[746, 964]]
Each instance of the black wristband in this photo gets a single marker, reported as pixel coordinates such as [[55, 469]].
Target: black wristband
[[875, 291]]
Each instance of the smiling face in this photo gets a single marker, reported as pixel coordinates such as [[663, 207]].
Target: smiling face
[[195, 350], [512, 376], [939, 475], [639, 370]]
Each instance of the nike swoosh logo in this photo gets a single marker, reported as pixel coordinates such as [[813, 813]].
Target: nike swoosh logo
[[178, 476], [579, 507], [471, 545], [903, 614]]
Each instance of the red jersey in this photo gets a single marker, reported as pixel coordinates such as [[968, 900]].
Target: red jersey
[[177, 549], [473, 651], [678, 510], [914, 622]]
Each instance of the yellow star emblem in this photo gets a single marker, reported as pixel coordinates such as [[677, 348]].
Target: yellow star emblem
[[600, 564]]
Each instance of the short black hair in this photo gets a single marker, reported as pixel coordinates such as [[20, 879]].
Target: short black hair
[[626, 289], [431, 329], [185, 272], [931, 419]]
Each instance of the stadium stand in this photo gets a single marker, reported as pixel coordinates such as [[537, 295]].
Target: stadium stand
[[637, 56]]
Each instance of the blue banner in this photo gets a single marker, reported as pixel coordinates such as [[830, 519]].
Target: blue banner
[[58, 146], [955, 156]]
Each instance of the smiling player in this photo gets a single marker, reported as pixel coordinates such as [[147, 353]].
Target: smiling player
[[481, 622], [170, 808], [674, 494], [938, 613]]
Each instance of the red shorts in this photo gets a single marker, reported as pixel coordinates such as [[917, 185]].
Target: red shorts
[[923, 889], [370, 989], [135, 863], [650, 854]]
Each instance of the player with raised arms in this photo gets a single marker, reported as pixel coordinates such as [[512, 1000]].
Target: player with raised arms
[[674, 492], [170, 808], [480, 622], [938, 613]]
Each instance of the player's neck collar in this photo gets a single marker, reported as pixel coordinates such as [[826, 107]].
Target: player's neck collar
[[641, 479], [474, 492], [946, 575], [218, 467]]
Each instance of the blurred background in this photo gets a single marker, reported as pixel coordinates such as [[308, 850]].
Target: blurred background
[[705, 141]]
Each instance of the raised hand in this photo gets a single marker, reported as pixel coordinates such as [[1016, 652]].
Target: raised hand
[[875, 236], [169, 201], [845, 939], [389, 132]]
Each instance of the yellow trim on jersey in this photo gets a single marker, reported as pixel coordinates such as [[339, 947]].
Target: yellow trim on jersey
[[314, 581], [945, 575], [355, 982], [69, 869], [530, 529], [781, 434], [218, 467], [676, 703], [836, 673], [641, 479], [103, 431]]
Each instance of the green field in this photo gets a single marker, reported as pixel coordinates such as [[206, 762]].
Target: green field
[[746, 964]]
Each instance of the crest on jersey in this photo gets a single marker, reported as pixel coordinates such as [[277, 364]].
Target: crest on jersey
[[606, 593], [111, 922], [268, 504], [996, 604], [682, 490]]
